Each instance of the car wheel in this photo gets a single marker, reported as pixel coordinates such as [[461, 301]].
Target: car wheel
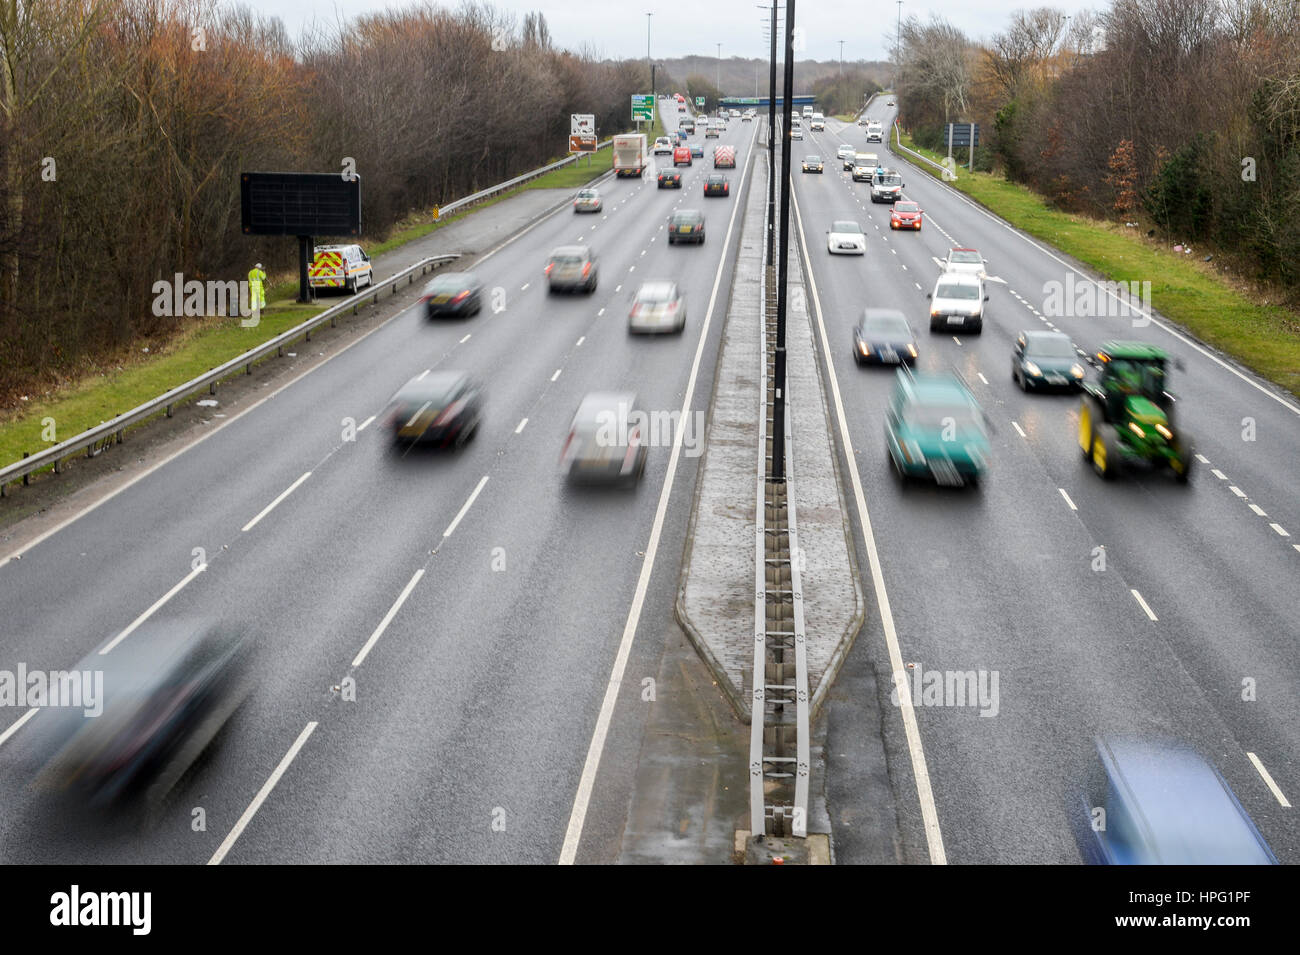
[[350, 286], [1182, 465]]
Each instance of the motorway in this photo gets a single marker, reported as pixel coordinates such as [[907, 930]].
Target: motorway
[[1194, 608], [480, 605]]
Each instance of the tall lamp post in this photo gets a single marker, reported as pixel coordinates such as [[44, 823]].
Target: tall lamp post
[[717, 75], [898, 38], [778, 370]]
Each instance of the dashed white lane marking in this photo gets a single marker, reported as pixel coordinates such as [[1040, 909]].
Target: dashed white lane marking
[[1237, 491], [1143, 604], [1268, 781], [1019, 430], [1259, 511], [557, 374], [465, 507], [956, 339], [420, 376], [364, 424], [520, 428], [1067, 499], [465, 339], [982, 378], [18, 724], [1218, 474], [1202, 458], [154, 609], [524, 287], [262, 793], [270, 507], [580, 341], [1280, 529], [602, 311], [388, 618]]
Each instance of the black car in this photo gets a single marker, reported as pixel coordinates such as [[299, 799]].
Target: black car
[[716, 185], [161, 696], [670, 179], [883, 337], [1046, 360], [453, 293], [441, 408], [686, 225]]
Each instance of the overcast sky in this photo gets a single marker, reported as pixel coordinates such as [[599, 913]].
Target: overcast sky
[[683, 27]]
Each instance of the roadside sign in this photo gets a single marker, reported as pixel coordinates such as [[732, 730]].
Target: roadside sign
[[962, 134], [699, 101], [582, 133], [643, 107]]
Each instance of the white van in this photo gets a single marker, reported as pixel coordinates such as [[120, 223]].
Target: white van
[[818, 121], [340, 266], [875, 133], [957, 302]]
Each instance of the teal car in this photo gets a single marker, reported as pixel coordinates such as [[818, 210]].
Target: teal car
[[935, 429]]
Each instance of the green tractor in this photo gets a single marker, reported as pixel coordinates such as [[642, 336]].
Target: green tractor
[[1126, 415]]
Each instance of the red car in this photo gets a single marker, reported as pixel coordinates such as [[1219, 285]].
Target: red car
[[905, 215], [682, 156]]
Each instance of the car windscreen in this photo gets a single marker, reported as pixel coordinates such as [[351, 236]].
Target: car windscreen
[[963, 293], [812, 159], [449, 283], [959, 255], [889, 180], [686, 218], [1049, 348], [940, 416], [567, 260], [655, 293], [846, 226], [888, 326], [905, 207]]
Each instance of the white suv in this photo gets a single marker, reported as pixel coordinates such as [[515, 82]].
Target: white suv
[[957, 303]]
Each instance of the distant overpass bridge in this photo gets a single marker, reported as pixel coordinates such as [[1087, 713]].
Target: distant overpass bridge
[[741, 102]]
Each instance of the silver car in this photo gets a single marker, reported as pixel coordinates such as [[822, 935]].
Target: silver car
[[606, 442], [657, 307], [572, 268]]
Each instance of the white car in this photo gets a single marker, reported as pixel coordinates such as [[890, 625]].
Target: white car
[[846, 238], [967, 261], [796, 133], [957, 303], [845, 155], [663, 145], [587, 200], [657, 307]]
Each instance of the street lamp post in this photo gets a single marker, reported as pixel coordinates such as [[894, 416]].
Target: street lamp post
[[898, 34], [647, 35], [778, 368], [771, 149], [717, 76], [841, 57]]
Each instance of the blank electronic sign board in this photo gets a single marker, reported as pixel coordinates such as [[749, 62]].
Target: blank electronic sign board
[[300, 203]]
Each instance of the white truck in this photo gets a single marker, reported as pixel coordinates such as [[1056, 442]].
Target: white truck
[[875, 133], [630, 156]]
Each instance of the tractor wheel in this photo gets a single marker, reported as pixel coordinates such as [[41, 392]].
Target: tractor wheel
[[1182, 465], [1105, 451], [1086, 414]]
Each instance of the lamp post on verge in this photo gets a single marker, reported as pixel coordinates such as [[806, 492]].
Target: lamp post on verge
[[717, 75], [778, 371], [841, 57], [898, 33]]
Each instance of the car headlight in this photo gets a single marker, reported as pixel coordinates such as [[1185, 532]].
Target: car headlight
[[1165, 432], [1076, 370], [1033, 369], [935, 313], [912, 350], [1133, 426], [864, 348]]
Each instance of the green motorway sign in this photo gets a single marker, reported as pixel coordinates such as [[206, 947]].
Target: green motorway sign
[[699, 101], [643, 107]]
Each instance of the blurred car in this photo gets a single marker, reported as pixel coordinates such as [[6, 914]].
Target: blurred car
[[957, 303], [935, 428], [440, 407], [657, 307], [670, 179], [863, 120], [165, 694], [697, 150], [680, 136], [796, 132], [747, 117], [712, 131], [845, 237], [572, 267], [905, 215], [716, 185], [682, 156], [883, 336], [663, 145], [686, 225], [605, 443], [812, 163], [964, 260], [1042, 359], [681, 107], [587, 200], [452, 293], [845, 155], [890, 103], [1162, 804]]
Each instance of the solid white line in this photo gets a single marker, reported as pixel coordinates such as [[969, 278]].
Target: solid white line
[[1280, 529], [1019, 430], [388, 618], [1067, 499], [1268, 781], [1138, 597], [150, 612], [260, 798], [557, 374], [362, 426], [1218, 474], [520, 429], [465, 508], [586, 783], [464, 340], [18, 724], [1259, 511], [270, 507], [920, 772], [1237, 491]]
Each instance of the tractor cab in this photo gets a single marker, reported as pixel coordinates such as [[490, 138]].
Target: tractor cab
[[1127, 415]]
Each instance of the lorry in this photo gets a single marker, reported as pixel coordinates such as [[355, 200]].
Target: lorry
[[630, 155]]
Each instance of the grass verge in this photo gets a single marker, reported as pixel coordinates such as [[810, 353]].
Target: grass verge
[[1264, 337]]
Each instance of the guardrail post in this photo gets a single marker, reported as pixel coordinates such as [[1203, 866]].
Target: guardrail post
[[169, 414], [27, 478], [212, 388]]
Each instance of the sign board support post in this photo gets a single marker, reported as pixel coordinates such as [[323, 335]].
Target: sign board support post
[[950, 125], [306, 249]]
